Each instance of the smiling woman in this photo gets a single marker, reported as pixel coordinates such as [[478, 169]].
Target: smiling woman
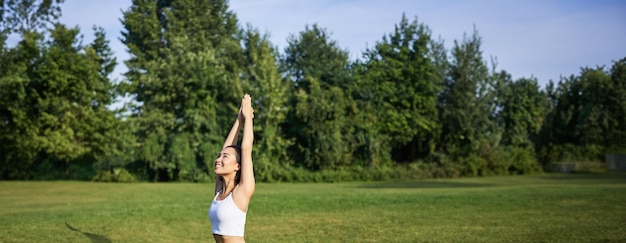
[[235, 183]]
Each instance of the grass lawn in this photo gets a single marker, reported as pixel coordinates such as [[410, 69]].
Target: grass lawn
[[539, 208]]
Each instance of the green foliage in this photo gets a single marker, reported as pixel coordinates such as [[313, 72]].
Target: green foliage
[[404, 73], [319, 121], [615, 105], [593, 120], [270, 93], [572, 153], [586, 117], [28, 15], [467, 103], [55, 107], [408, 109], [520, 160], [401, 85], [114, 175], [17, 129], [184, 62], [524, 107]]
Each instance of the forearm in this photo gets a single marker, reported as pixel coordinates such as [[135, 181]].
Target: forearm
[[247, 171], [231, 139], [248, 136]]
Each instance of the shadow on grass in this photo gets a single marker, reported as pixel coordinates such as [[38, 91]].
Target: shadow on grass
[[91, 236], [428, 184]]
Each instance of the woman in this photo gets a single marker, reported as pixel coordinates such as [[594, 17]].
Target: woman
[[234, 184]]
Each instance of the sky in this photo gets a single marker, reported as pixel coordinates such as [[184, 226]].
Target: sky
[[545, 39]]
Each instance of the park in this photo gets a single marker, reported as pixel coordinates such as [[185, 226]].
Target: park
[[420, 139]]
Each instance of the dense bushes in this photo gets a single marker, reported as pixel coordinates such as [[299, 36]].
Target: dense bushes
[[115, 175]]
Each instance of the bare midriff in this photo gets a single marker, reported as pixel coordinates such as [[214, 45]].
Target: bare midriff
[[228, 239]]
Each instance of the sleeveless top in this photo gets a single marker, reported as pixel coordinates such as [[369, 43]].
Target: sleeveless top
[[226, 218]]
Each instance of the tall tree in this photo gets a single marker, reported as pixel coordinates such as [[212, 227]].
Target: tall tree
[[467, 106], [184, 73], [406, 83], [594, 115], [566, 100], [18, 131], [72, 97], [270, 92], [60, 99], [113, 141], [21, 16], [586, 117], [616, 106], [55, 92], [319, 121], [372, 149], [523, 108]]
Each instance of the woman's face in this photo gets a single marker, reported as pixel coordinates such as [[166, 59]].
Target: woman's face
[[226, 162]]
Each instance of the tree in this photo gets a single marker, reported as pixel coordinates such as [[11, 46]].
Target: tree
[[21, 16], [616, 106], [113, 142], [184, 73], [17, 128], [467, 107], [401, 71], [372, 149], [586, 116], [594, 115], [270, 93], [60, 101], [320, 119], [523, 108]]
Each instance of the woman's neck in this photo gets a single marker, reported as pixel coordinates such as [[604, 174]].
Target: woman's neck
[[229, 184]]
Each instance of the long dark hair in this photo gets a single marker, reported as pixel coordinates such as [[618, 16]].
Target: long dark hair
[[238, 156]]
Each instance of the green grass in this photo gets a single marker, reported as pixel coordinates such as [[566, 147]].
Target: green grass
[[542, 208]]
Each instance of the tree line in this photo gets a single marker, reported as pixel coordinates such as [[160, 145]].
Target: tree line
[[408, 108]]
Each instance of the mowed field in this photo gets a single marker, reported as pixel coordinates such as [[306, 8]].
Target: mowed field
[[538, 208]]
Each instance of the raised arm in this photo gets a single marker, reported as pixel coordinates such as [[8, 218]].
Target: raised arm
[[247, 182], [231, 139]]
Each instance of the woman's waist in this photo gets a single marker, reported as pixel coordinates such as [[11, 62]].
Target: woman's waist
[[228, 239]]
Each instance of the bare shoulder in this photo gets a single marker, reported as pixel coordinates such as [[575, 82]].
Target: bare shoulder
[[241, 198]]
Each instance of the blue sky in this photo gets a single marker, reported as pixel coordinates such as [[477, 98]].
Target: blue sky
[[542, 38]]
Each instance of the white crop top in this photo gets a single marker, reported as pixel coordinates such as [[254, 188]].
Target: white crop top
[[226, 218]]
